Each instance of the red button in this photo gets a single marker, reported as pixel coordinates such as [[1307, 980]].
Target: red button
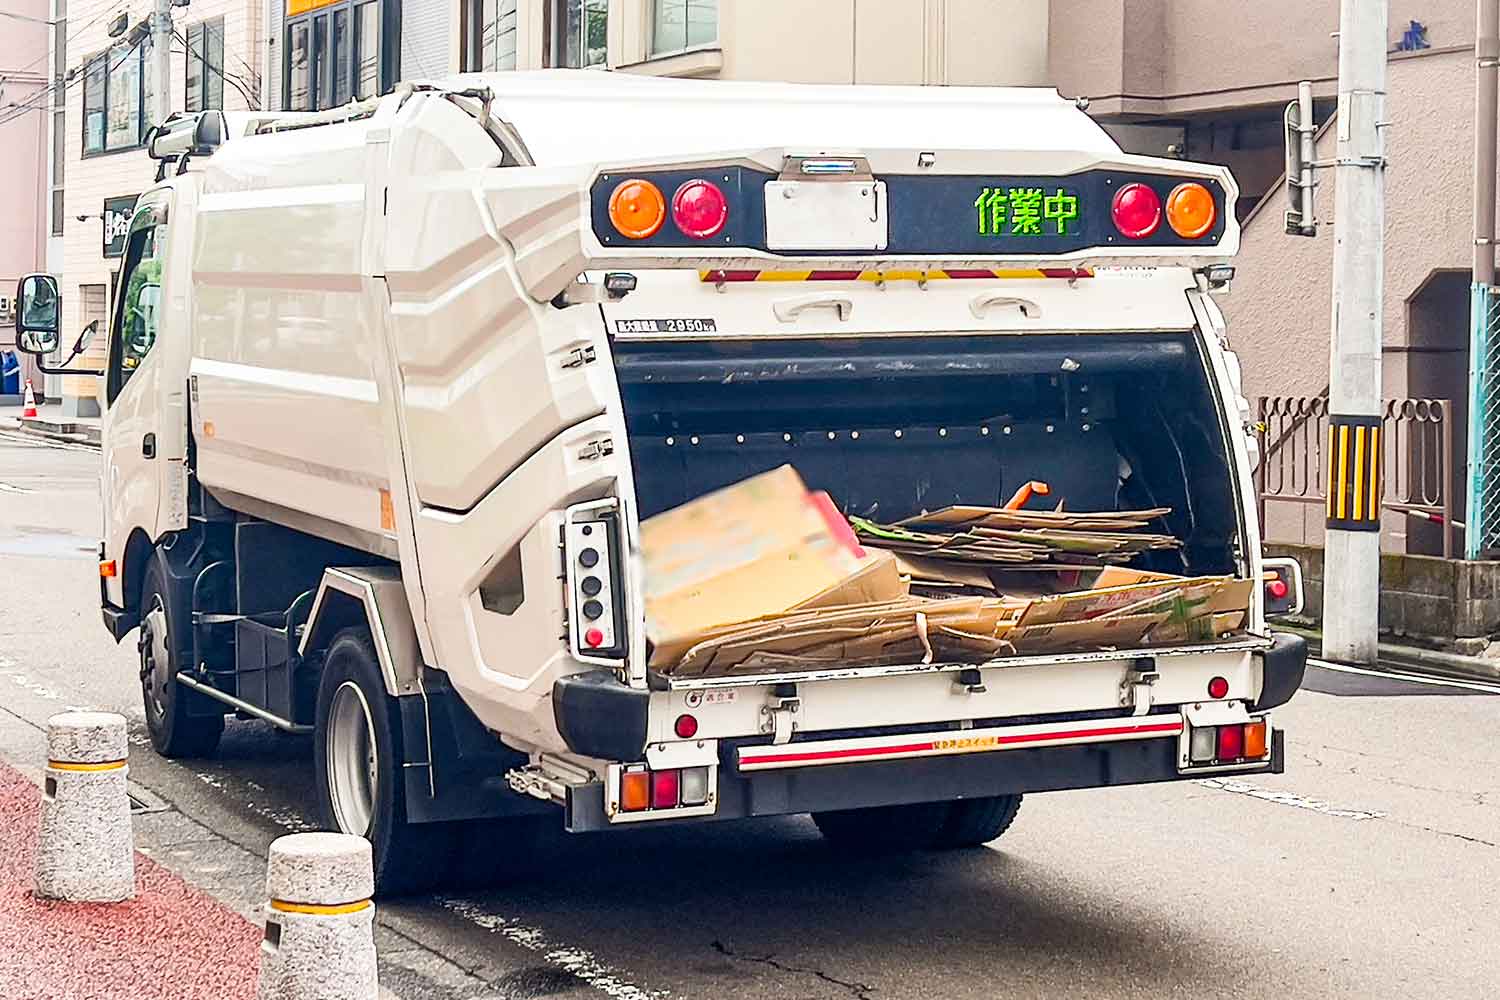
[[594, 637]]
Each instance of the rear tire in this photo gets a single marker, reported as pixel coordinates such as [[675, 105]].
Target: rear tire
[[921, 825], [175, 733], [361, 778]]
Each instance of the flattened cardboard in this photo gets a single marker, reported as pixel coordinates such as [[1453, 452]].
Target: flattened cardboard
[[1086, 604], [1083, 636]]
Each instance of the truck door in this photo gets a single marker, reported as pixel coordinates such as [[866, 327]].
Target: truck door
[[133, 379]]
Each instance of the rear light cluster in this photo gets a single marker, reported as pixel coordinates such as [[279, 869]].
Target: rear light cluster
[[1190, 210], [1234, 744], [1281, 587], [642, 789], [638, 209]]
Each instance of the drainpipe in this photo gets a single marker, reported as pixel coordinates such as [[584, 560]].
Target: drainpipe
[[1486, 59]]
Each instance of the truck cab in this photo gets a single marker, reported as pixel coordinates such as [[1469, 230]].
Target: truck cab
[[392, 389]]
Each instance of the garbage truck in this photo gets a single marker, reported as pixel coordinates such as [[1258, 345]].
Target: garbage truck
[[391, 389]]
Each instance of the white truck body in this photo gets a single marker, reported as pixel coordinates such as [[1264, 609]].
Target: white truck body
[[390, 333]]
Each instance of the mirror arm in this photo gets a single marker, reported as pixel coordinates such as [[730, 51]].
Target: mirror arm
[[63, 369]]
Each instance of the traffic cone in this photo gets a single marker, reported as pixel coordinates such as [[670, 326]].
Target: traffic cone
[[28, 401]]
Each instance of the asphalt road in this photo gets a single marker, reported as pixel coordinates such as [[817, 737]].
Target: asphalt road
[[1368, 869]]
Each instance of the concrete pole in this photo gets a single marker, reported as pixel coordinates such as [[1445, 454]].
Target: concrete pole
[[1352, 551], [161, 55], [1486, 59]]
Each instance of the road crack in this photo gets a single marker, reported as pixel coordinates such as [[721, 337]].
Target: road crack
[[857, 989]]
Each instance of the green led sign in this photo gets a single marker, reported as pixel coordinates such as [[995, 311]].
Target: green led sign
[[1026, 211]]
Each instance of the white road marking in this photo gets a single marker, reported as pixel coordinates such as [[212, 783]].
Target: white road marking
[[12, 488], [576, 961], [1285, 798], [38, 689], [1344, 668]]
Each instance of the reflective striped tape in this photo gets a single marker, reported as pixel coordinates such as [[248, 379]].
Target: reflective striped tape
[[321, 909], [720, 276], [108, 765], [1354, 473]]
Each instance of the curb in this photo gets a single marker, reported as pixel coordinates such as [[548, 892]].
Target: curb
[[54, 430], [1415, 659]]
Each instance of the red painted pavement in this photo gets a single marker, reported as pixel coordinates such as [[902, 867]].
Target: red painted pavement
[[171, 941]]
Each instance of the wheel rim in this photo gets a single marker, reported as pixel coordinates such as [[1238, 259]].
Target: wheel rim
[[352, 758], [156, 661]]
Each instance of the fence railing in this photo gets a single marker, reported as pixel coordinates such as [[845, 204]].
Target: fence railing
[[1417, 450], [1482, 499]]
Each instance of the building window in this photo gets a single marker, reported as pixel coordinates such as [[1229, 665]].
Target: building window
[[489, 35], [205, 66], [116, 95], [683, 24], [579, 33], [334, 54], [59, 158]]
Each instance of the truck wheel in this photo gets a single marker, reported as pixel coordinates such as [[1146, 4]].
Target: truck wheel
[[972, 822], [358, 756], [174, 732], [929, 825]]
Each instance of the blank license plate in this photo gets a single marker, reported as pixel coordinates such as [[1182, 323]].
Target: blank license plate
[[826, 215]]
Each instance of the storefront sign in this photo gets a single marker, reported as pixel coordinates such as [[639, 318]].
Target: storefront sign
[[117, 213]]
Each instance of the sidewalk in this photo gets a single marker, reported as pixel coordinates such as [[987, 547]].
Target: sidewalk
[[51, 424], [172, 941]]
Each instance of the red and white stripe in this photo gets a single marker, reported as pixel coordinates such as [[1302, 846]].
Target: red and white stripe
[[957, 741]]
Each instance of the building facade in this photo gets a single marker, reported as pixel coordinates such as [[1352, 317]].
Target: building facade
[[107, 106], [24, 131], [321, 52]]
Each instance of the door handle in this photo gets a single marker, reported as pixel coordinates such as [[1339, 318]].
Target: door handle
[[148, 446]]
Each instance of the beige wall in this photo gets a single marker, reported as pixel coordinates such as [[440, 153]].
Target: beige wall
[[955, 42], [1174, 56], [1279, 311], [90, 180]]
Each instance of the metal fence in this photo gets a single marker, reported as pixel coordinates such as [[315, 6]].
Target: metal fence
[[1482, 503], [1415, 459]]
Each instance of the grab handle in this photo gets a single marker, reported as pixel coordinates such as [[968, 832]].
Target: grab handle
[[787, 310], [985, 300]]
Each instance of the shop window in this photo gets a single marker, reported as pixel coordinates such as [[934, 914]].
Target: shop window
[[116, 95], [579, 33], [335, 53], [205, 66], [489, 35], [683, 24]]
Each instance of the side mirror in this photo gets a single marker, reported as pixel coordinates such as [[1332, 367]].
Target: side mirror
[[36, 314]]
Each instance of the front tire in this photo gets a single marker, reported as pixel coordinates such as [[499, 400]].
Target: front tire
[[361, 781], [175, 732], [920, 826]]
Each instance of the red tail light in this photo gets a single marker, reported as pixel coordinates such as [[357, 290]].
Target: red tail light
[[1218, 687], [700, 209], [1277, 589], [1231, 742], [1137, 211], [663, 789]]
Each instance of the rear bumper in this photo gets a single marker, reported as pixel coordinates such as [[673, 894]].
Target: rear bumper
[[928, 779]]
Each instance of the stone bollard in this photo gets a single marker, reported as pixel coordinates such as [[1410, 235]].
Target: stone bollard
[[320, 923], [85, 852]]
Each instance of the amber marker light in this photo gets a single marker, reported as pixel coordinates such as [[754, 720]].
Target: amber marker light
[[637, 208], [1190, 210]]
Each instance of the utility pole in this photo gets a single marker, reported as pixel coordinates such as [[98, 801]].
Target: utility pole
[[1351, 599], [1479, 534], [1486, 58], [161, 55]]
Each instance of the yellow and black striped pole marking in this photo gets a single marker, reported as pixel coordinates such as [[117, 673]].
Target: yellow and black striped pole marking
[[1354, 473]]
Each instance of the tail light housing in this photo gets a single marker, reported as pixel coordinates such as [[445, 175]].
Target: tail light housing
[[639, 791], [1236, 743], [1281, 586]]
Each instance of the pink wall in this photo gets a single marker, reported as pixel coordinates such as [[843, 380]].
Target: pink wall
[[23, 137]]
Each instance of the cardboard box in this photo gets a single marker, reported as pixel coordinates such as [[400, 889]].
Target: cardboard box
[[759, 547]]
